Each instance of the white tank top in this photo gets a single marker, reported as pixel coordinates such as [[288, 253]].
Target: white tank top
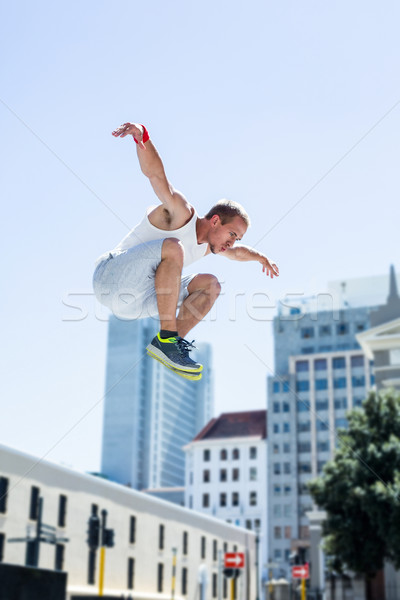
[[146, 232]]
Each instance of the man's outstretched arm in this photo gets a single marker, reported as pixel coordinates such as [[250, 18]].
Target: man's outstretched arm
[[152, 166], [245, 253]]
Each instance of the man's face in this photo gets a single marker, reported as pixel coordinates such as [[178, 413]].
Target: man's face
[[221, 237]]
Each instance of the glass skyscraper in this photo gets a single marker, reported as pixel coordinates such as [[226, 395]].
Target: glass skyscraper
[[150, 413]]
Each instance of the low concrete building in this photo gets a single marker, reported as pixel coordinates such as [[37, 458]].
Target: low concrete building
[[148, 531]]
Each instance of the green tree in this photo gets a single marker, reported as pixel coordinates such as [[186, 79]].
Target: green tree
[[360, 489]]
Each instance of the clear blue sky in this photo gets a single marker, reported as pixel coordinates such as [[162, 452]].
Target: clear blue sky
[[252, 101]]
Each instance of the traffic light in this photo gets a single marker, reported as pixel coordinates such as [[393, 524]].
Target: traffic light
[[108, 538], [232, 573], [93, 539]]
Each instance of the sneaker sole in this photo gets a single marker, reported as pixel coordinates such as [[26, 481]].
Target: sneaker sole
[[184, 374], [155, 353]]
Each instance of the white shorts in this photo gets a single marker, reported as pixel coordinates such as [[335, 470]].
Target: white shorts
[[124, 283]]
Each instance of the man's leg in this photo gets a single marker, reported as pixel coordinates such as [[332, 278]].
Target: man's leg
[[168, 282], [203, 291]]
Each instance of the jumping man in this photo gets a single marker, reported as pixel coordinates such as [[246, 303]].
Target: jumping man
[[142, 276]]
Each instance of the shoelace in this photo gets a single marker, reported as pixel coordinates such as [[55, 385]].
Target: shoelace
[[184, 346]]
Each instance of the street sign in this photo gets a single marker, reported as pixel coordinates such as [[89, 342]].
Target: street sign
[[234, 560], [300, 572]]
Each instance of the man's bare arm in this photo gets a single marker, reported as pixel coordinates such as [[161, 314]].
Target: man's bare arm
[[246, 253], [152, 166]]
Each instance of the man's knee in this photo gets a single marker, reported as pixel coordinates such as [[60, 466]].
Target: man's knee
[[172, 248], [214, 286], [206, 282]]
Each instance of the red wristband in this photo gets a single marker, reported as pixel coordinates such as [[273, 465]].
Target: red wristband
[[146, 136]]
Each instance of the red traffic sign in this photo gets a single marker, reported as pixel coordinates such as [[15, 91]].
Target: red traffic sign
[[300, 572], [234, 560]]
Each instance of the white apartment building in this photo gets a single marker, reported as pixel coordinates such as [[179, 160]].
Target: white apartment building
[[226, 473], [147, 533]]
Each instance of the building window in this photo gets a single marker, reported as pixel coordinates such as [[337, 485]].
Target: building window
[[341, 403], [253, 498], [357, 361], [3, 494], [131, 573], [222, 499], [235, 474], [191, 478], [288, 532], [301, 366], [285, 387], [304, 426], [286, 407], [342, 328], [340, 383], [215, 550], [304, 532], [132, 530], [276, 387], [339, 362], [206, 500], [225, 587], [303, 406], [286, 468], [206, 476], [161, 532], [325, 330], [286, 428], [277, 468], [190, 501], [185, 543], [357, 401], [223, 475], [277, 510], [277, 490], [304, 447], [59, 557], [341, 422], [214, 585], [62, 510], [248, 523], [277, 533], [276, 407], [306, 332], [304, 468], [276, 448], [287, 490], [358, 381], [253, 452], [286, 448], [320, 364], [307, 350], [323, 446], [322, 425], [276, 427], [235, 454], [321, 384], [206, 455], [277, 554], [160, 577], [34, 504], [235, 498], [223, 455], [302, 386], [253, 474], [184, 581], [321, 405], [287, 510], [2, 541], [203, 546]]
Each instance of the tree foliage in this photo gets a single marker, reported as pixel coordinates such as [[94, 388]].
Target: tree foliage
[[360, 488]]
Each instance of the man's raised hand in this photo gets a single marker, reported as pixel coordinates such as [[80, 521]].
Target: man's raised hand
[[269, 267], [130, 129]]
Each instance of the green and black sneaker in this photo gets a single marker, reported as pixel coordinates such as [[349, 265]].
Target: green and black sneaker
[[174, 352]]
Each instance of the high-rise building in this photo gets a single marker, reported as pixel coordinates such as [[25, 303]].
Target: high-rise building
[[150, 413], [321, 372]]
